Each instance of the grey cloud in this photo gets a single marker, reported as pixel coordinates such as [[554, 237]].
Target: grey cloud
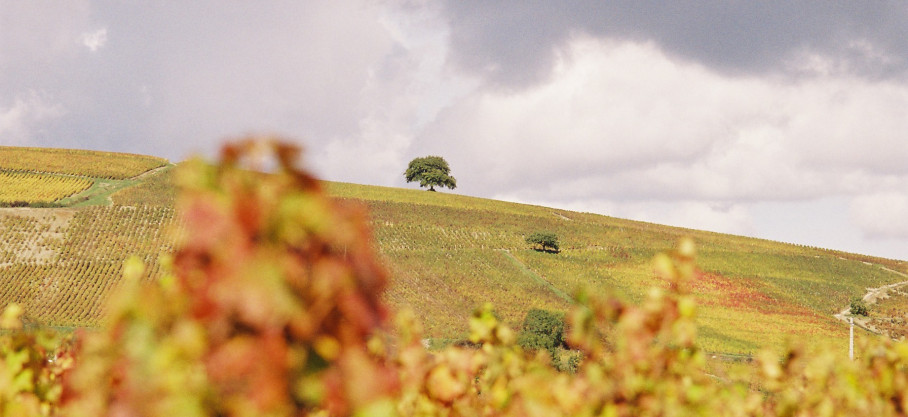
[[513, 43]]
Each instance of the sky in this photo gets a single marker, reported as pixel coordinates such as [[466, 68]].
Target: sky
[[783, 120]]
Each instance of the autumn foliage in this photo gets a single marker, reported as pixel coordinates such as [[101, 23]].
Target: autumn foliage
[[273, 307]]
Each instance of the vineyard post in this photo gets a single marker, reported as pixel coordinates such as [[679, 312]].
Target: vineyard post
[[851, 339]]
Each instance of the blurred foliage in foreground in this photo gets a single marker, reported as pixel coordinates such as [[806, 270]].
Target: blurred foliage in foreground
[[273, 308]]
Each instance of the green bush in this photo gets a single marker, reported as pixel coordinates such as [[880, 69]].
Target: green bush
[[542, 329], [858, 307]]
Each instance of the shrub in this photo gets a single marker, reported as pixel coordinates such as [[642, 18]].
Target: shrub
[[542, 329], [859, 307]]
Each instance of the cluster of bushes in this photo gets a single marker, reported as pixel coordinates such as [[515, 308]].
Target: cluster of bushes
[[858, 307], [544, 330], [274, 308]]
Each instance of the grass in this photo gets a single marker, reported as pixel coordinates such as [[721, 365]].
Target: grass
[[445, 286]]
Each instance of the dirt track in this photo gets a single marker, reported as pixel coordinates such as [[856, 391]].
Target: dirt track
[[873, 294]]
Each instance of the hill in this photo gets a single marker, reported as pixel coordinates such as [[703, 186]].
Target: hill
[[61, 262], [450, 253], [447, 255]]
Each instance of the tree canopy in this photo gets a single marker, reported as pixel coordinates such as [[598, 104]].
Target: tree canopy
[[430, 171], [547, 240]]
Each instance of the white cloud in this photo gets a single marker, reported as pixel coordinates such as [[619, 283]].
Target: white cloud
[[622, 120], [883, 215], [95, 40], [623, 129], [41, 31], [404, 90], [20, 121]]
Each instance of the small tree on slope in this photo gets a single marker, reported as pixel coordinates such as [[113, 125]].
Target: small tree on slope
[[548, 241]]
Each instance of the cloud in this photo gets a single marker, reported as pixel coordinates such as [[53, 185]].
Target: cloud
[[40, 32], [20, 122], [625, 129], [667, 113], [883, 215], [625, 121], [702, 215], [95, 40], [513, 44], [403, 91]]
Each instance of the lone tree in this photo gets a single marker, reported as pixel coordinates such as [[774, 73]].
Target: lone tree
[[548, 241], [430, 171]]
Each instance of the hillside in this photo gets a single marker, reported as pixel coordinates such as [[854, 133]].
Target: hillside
[[450, 253], [447, 255], [61, 261]]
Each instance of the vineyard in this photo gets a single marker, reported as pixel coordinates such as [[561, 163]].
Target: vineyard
[[108, 165], [28, 187], [62, 265], [275, 304], [156, 190], [448, 254]]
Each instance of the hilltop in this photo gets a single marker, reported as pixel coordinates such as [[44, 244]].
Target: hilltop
[[447, 255]]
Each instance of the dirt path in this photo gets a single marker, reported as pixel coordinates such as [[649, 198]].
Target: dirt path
[[563, 217], [873, 294], [151, 172]]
